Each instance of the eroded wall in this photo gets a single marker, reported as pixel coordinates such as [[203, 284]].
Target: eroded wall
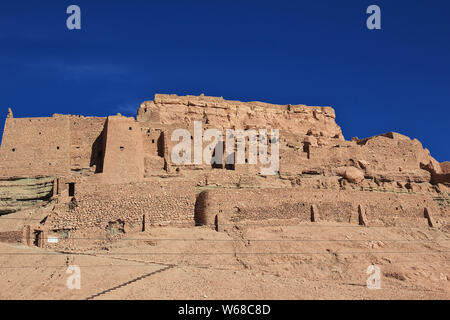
[[220, 113], [382, 209], [123, 175], [158, 202], [51, 146], [35, 146], [86, 142], [124, 153]]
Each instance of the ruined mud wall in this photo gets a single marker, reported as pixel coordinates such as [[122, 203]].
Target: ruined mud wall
[[86, 142], [385, 159], [11, 237], [310, 139], [443, 176], [50, 146], [97, 205], [220, 113], [124, 154], [317, 166], [153, 143], [382, 209], [35, 146]]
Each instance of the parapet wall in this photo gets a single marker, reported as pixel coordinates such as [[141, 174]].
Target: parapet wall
[[382, 209]]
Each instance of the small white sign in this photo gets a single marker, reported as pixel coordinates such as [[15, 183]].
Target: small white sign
[[52, 239]]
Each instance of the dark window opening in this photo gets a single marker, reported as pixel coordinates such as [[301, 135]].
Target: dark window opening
[[205, 118], [229, 166], [229, 163], [153, 140], [121, 148], [306, 148], [14, 150], [71, 189], [217, 165], [214, 164], [160, 145], [57, 148], [130, 128], [37, 235], [96, 159]]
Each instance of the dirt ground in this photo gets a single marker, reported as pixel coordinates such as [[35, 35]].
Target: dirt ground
[[305, 261]]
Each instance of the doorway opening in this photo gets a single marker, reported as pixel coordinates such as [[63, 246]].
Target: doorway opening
[[36, 237], [71, 189]]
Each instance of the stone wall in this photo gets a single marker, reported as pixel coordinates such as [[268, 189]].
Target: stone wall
[[11, 237], [97, 205]]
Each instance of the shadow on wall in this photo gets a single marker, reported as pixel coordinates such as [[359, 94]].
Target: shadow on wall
[[200, 210], [98, 153], [161, 146]]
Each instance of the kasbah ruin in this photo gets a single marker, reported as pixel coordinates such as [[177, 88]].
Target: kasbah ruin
[[104, 190]]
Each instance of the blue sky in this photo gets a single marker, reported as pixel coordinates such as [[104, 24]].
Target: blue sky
[[311, 52]]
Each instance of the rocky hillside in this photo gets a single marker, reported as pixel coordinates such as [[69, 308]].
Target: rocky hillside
[[20, 193]]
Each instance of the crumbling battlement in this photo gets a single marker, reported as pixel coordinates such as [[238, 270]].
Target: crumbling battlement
[[220, 113]]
